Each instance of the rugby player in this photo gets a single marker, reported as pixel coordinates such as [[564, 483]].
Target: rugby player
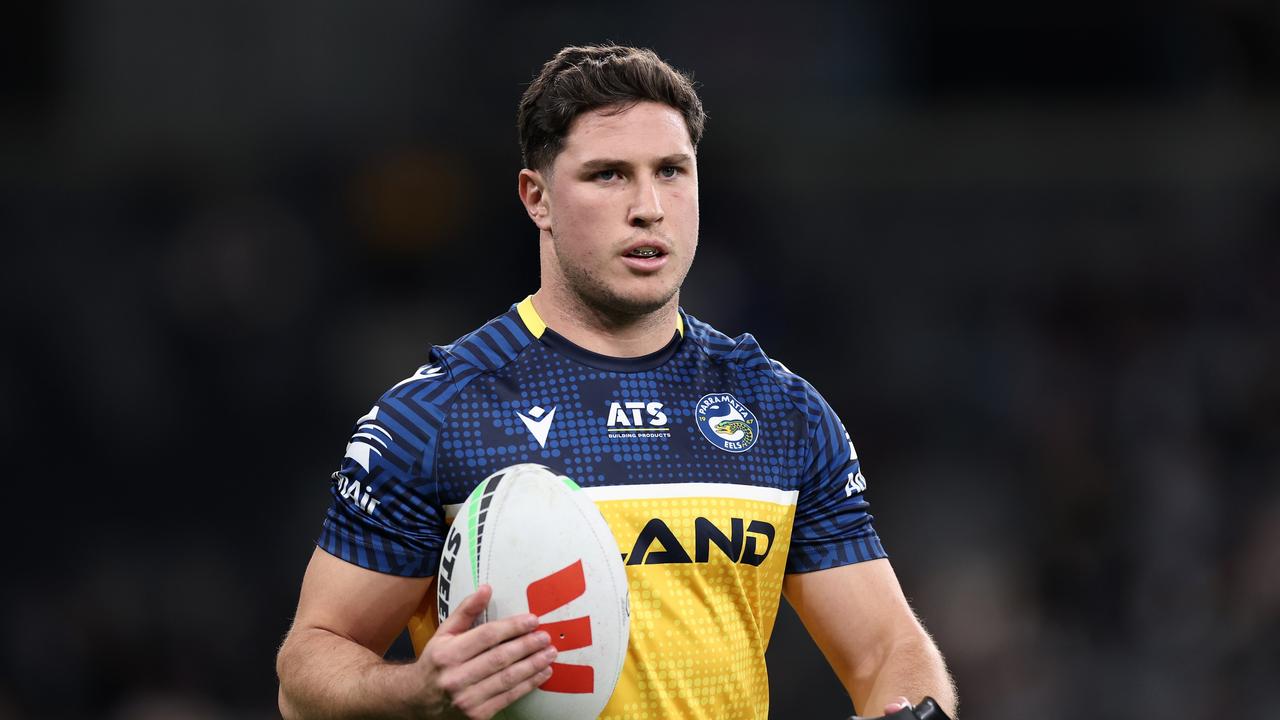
[[727, 480]]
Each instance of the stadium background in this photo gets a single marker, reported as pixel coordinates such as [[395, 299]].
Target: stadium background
[[1030, 253]]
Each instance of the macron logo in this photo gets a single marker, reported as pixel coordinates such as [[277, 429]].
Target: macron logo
[[538, 423]]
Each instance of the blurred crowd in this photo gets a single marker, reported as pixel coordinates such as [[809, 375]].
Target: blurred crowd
[[1049, 239]]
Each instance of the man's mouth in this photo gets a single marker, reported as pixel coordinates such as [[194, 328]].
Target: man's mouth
[[645, 251]]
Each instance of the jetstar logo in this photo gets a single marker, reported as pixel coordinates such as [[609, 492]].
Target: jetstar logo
[[747, 543], [553, 592], [370, 438]]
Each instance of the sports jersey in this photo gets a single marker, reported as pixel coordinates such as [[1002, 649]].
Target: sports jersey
[[717, 469]]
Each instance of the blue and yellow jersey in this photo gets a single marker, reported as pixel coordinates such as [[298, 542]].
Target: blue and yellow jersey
[[717, 469]]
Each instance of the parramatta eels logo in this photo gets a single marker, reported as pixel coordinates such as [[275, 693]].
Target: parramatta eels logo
[[727, 423]]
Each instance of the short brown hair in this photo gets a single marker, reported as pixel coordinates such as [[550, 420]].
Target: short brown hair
[[581, 79]]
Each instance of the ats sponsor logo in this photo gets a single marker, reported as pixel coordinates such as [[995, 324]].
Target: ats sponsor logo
[[637, 419], [350, 490], [746, 542]]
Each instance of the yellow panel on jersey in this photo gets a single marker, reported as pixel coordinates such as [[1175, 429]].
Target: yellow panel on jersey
[[705, 563]]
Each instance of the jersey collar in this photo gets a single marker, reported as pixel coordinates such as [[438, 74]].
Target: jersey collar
[[536, 327]]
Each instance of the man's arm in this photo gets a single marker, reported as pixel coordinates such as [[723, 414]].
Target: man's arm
[[331, 665], [860, 620]]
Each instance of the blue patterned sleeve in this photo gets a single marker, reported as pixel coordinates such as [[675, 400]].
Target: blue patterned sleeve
[[832, 525], [385, 514]]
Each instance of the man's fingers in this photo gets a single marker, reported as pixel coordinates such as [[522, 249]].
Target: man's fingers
[[467, 645], [466, 612], [539, 671], [498, 670], [495, 661]]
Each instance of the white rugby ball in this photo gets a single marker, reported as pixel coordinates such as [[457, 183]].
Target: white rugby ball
[[544, 547]]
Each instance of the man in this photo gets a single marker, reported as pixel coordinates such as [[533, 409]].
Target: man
[[729, 479]]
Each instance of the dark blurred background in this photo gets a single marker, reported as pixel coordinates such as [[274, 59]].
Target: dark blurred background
[[1049, 235]]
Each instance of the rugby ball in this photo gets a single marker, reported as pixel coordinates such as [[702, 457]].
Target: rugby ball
[[544, 547]]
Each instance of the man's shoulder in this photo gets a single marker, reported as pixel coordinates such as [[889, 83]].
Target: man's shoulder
[[745, 353], [451, 368], [488, 348]]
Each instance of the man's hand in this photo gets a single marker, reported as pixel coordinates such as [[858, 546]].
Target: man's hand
[[474, 672], [896, 704], [900, 709], [332, 665]]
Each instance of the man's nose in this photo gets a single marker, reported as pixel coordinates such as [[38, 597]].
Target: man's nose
[[646, 207]]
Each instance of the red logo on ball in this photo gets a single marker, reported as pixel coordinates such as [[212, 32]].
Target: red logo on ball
[[554, 591]]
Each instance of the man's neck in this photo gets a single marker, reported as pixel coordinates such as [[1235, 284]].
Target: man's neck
[[605, 333]]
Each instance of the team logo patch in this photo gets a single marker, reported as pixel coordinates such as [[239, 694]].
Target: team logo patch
[[727, 423]]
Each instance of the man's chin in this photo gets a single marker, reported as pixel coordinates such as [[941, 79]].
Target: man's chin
[[633, 304], [625, 297], [639, 306]]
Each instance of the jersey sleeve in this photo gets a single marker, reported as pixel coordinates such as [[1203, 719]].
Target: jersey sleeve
[[385, 513], [832, 525]]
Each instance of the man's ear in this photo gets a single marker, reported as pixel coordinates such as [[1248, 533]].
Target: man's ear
[[533, 193]]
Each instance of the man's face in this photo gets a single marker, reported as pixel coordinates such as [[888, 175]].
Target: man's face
[[622, 209]]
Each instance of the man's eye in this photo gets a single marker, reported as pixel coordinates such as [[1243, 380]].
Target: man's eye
[[669, 171], [606, 174]]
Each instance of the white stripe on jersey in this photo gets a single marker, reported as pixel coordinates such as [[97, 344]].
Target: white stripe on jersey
[[656, 491]]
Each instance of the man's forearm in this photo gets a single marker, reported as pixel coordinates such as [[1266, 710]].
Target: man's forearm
[[913, 667], [323, 675]]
